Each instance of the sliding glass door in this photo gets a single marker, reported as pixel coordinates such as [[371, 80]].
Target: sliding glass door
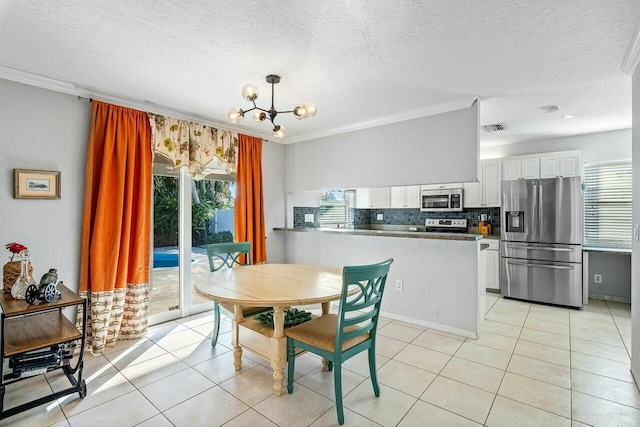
[[187, 214]]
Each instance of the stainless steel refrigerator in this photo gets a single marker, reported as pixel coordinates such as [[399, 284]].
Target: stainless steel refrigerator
[[541, 240]]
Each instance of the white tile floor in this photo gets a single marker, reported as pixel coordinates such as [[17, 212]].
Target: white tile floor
[[534, 365]]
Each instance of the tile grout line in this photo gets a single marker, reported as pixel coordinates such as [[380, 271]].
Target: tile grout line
[[506, 368]]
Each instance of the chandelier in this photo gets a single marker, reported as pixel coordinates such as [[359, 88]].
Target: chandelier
[[250, 93]]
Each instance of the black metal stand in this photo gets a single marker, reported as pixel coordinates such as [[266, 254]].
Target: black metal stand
[[74, 374]]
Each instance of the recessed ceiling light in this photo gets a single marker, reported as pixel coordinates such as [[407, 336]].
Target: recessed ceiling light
[[568, 116], [550, 108]]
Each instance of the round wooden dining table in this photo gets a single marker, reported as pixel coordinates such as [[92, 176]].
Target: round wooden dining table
[[269, 285]]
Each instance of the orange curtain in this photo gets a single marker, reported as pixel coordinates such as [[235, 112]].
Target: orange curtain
[[249, 205], [114, 273]]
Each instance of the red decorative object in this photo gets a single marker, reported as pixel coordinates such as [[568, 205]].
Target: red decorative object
[[14, 248]]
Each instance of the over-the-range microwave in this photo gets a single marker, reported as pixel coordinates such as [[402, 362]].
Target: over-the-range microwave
[[441, 200]]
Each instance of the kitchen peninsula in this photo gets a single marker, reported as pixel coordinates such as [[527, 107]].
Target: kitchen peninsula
[[442, 274]]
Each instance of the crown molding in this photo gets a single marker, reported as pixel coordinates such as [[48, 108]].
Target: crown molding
[[55, 85], [48, 83], [632, 56], [385, 120]]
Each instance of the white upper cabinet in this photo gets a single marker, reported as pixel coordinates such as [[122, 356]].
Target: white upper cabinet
[[546, 165], [570, 164], [511, 169], [398, 197], [472, 194], [413, 196], [549, 166], [405, 197], [486, 192], [530, 168], [381, 197], [363, 198], [491, 183]]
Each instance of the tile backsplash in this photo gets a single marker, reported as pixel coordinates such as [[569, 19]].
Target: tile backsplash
[[399, 216]]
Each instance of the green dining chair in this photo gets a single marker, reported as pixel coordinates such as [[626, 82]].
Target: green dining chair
[[228, 255], [339, 337]]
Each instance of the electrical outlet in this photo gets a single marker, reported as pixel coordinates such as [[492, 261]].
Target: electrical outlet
[[597, 278], [399, 285], [311, 219], [379, 217]]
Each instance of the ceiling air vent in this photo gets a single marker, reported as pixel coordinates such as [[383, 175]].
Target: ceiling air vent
[[493, 128]]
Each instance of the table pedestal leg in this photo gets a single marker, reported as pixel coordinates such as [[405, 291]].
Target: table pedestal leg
[[278, 349], [237, 350], [325, 310]]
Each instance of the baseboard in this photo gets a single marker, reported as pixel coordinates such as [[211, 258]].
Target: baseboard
[[431, 325], [610, 298]]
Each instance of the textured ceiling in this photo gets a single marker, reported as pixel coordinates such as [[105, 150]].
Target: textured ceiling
[[360, 62]]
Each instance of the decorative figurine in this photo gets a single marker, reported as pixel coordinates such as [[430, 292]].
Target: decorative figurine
[[46, 291], [25, 279]]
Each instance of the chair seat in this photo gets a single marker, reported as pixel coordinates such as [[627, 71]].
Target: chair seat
[[321, 332]]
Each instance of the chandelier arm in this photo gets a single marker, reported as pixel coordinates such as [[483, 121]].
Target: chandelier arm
[[250, 109], [281, 112]]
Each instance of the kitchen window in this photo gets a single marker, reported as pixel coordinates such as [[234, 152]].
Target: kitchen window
[[607, 205], [336, 208]]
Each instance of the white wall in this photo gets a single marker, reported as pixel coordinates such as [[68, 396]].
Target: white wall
[[273, 187], [435, 149], [596, 147], [48, 131], [440, 290], [635, 259]]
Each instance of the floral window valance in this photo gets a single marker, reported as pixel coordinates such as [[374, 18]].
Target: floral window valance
[[192, 144]]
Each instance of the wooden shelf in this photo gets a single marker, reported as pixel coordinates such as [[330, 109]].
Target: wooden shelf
[[29, 333], [16, 307]]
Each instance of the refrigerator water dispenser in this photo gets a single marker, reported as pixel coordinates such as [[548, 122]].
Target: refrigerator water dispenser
[[515, 222]]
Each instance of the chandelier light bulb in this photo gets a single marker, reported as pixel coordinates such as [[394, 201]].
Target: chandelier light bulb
[[279, 131], [311, 109], [236, 115], [300, 112], [250, 92], [259, 116]]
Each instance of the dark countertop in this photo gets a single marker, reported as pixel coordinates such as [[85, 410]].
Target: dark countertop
[[388, 233]]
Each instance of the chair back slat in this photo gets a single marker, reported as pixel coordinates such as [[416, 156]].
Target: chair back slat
[[358, 319], [357, 332], [228, 255], [362, 290]]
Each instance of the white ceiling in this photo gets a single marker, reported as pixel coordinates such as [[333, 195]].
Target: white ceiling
[[361, 62]]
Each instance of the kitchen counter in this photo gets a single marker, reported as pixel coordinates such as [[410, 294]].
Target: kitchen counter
[[389, 233], [442, 275]]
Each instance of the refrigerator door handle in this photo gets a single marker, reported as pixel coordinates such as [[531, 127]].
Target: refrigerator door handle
[[540, 248], [552, 266], [535, 210], [540, 211]]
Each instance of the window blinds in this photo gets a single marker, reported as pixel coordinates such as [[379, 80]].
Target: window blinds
[[607, 205], [336, 207]]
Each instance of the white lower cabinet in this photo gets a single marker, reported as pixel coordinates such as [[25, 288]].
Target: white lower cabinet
[[492, 271]]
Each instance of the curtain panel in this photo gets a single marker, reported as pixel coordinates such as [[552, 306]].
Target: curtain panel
[[114, 274], [193, 144], [249, 204]]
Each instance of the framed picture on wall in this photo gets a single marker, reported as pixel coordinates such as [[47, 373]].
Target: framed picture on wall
[[33, 184]]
